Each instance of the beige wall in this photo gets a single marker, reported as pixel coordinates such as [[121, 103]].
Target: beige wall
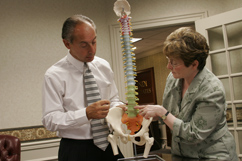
[[30, 43]]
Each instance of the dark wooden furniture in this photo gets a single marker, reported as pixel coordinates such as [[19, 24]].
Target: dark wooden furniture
[[10, 148]]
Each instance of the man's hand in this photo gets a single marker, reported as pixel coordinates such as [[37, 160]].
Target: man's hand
[[98, 110]]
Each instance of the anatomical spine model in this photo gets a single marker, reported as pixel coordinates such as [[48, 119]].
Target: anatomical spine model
[[117, 117]]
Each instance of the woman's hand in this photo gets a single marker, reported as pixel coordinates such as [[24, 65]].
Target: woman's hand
[[149, 111], [156, 111]]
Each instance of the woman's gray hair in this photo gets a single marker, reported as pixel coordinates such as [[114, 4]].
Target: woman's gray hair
[[70, 24]]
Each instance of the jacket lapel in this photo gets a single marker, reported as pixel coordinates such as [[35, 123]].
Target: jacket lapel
[[193, 88]]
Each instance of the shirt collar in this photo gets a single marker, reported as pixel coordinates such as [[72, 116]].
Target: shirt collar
[[78, 64]]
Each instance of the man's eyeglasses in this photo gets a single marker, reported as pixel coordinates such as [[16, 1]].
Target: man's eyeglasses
[[173, 64]]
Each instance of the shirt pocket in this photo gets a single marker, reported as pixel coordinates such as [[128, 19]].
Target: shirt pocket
[[105, 90]]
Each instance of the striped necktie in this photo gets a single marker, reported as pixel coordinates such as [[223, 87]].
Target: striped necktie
[[100, 131]]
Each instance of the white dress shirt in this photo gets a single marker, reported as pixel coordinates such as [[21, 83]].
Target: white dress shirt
[[64, 102]]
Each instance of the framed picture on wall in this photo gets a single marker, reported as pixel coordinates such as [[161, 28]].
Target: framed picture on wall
[[146, 86]]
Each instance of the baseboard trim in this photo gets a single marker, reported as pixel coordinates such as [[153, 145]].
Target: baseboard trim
[[45, 150]]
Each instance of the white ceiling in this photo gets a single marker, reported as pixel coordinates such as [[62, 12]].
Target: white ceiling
[[153, 37]]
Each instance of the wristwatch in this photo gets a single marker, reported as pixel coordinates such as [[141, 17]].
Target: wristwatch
[[164, 116]]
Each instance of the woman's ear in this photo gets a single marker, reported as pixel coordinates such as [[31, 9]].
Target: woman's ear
[[195, 64]]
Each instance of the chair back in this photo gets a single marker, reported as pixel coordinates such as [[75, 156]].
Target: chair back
[[10, 148]]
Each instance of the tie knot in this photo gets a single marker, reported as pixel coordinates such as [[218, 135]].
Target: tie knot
[[85, 65], [86, 68]]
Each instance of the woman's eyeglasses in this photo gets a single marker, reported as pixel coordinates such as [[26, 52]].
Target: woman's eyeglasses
[[173, 64]]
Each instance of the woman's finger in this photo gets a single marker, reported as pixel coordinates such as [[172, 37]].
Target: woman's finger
[[139, 107]]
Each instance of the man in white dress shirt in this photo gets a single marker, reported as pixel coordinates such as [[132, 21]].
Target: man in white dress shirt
[[65, 108]]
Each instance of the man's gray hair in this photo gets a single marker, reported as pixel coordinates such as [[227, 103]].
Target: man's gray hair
[[70, 24]]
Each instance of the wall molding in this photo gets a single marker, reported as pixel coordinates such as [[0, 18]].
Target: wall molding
[[32, 133]]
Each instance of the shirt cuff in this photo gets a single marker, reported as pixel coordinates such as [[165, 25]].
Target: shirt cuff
[[81, 116], [176, 129]]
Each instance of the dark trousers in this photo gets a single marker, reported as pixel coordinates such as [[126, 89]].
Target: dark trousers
[[84, 150]]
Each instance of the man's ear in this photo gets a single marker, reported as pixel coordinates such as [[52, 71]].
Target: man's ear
[[67, 43]]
